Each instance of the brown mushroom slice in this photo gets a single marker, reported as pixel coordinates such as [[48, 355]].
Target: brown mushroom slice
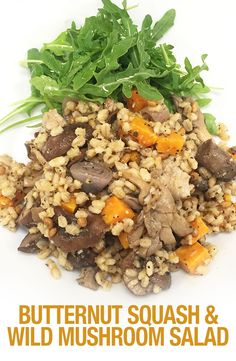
[[133, 202], [152, 223], [154, 115], [155, 246], [137, 232], [59, 211], [29, 243], [88, 237], [180, 226], [29, 217], [216, 160], [87, 278], [167, 237], [60, 144], [83, 258], [135, 235], [163, 281], [127, 261], [94, 176], [134, 178], [165, 203]]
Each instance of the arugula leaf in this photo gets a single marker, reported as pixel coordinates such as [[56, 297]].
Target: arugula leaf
[[203, 102], [60, 45], [44, 84], [210, 122], [51, 62], [84, 76], [116, 52], [147, 91], [163, 25]]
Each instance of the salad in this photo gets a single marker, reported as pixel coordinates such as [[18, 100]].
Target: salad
[[125, 178]]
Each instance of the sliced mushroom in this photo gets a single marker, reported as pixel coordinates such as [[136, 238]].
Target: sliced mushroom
[[154, 115], [127, 261], [152, 225], [29, 217], [163, 220], [83, 258], [29, 243], [176, 180], [87, 278], [165, 203], [59, 211], [94, 176], [163, 281], [155, 246], [133, 202], [60, 144], [180, 226], [29, 149], [216, 160], [88, 236], [134, 178], [137, 232], [167, 237]]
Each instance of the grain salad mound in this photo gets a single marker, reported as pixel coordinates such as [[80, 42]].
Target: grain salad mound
[[121, 194]]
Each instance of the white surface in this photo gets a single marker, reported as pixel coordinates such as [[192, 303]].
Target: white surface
[[201, 27]]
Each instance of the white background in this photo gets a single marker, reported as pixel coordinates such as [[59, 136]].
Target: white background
[[202, 26]]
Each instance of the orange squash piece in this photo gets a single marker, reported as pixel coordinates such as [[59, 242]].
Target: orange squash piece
[[116, 210], [170, 144], [136, 102], [70, 206], [5, 202], [227, 197], [123, 238], [201, 228], [141, 132], [192, 257]]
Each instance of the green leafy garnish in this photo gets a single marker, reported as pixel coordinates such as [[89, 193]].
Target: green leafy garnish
[[211, 125], [108, 57]]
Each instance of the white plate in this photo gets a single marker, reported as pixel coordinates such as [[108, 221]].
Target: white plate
[[201, 27]]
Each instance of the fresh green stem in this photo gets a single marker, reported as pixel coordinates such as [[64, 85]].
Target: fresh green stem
[[28, 100], [48, 103], [25, 62], [58, 46], [24, 121], [214, 88], [132, 7], [35, 125], [165, 55], [14, 112]]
